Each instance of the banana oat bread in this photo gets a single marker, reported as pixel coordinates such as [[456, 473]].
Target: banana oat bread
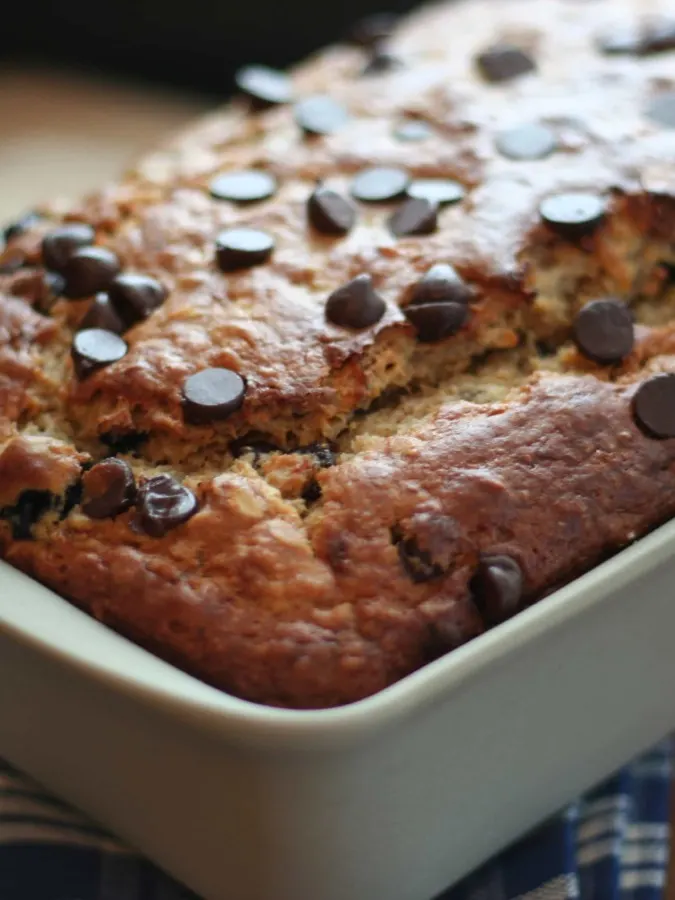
[[363, 364]]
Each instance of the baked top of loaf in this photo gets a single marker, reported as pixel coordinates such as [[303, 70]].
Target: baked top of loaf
[[366, 362]]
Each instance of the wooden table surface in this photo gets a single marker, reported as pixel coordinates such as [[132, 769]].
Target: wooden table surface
[[62, 135]]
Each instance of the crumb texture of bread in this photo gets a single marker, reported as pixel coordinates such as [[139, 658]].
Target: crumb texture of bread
[[484, 410]]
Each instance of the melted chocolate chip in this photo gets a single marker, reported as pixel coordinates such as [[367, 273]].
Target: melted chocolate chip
[[662, 109], [212, 395], [379, 184], [321, 452], [135, 297], [441, 284], [263, 86], [102, 314], [109, 488], [603, 331], [59, 245], [442, 191], [89, 270], [413, 130], [382, 61], [417, 563], [356, 304], [26, 512], [654, 406], [330, 212], [497, 587], [320, 115], [373, 29], [247, 186], [436, 321], [21, 226], [527, 142], [164, 504], [94, 348], [573, 215], [242, 248], [124, 442], [415, 216], [312, 491], [504, 62]]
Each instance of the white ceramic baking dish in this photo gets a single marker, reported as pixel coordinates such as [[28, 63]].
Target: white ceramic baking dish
[[392, 798]]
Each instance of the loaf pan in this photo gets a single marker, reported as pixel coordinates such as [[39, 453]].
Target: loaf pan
[[391, 798]]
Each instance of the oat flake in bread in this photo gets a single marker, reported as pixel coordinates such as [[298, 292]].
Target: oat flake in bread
[[366, 362]]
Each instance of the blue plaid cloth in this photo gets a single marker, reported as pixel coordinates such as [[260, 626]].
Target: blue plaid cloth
[[613, 844]]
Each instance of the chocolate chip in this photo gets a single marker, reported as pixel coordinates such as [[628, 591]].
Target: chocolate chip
[[212, 395], [662, 109], [656, 36], [497, 587], [603, 331], [246, 186], [573, 215], [102, 314], [379, 184], [241, 248], [321, 452], [163, 504], [59, 245], [263, 86], [441, 284], [320, 115], [123, 442], [436, 321], [531, 141], [21, 226], [94, 348], [654, 406], [418, 564], [416, 215], [89, 270], [312, 491], [26, 512], [109, 489], [330, 212], [442, 191], [135, 297], [373, 29], [504, 62], [381, 61], [413, 130], [356, 304]]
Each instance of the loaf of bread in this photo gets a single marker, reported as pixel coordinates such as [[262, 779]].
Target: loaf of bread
[[364, 364]]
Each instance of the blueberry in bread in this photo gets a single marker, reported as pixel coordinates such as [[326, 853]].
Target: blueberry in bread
[[363, 364]]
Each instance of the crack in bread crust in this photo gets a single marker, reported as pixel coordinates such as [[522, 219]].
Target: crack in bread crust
[[344, 508]]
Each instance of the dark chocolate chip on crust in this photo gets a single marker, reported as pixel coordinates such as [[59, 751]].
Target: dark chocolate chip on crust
[[134, 297], [417, 563], [503, 62], [60, 244], [379, 184], [102, 314], [89, 270], [654, 406], [441, 284], [163, 504], [26, 512], [356, 304], [330, 212], [212, 395], [246, 186], [242, 248], [573, 215], [264, 86], [109, 488], [320, 115], [604, 332], [436, 321], [416, 215], [94, 348], [497, 587]]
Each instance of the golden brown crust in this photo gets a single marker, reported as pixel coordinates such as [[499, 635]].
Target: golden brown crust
[[344, 509]]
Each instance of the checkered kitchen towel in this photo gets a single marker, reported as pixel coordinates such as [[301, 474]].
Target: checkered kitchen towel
[[613, 844]]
